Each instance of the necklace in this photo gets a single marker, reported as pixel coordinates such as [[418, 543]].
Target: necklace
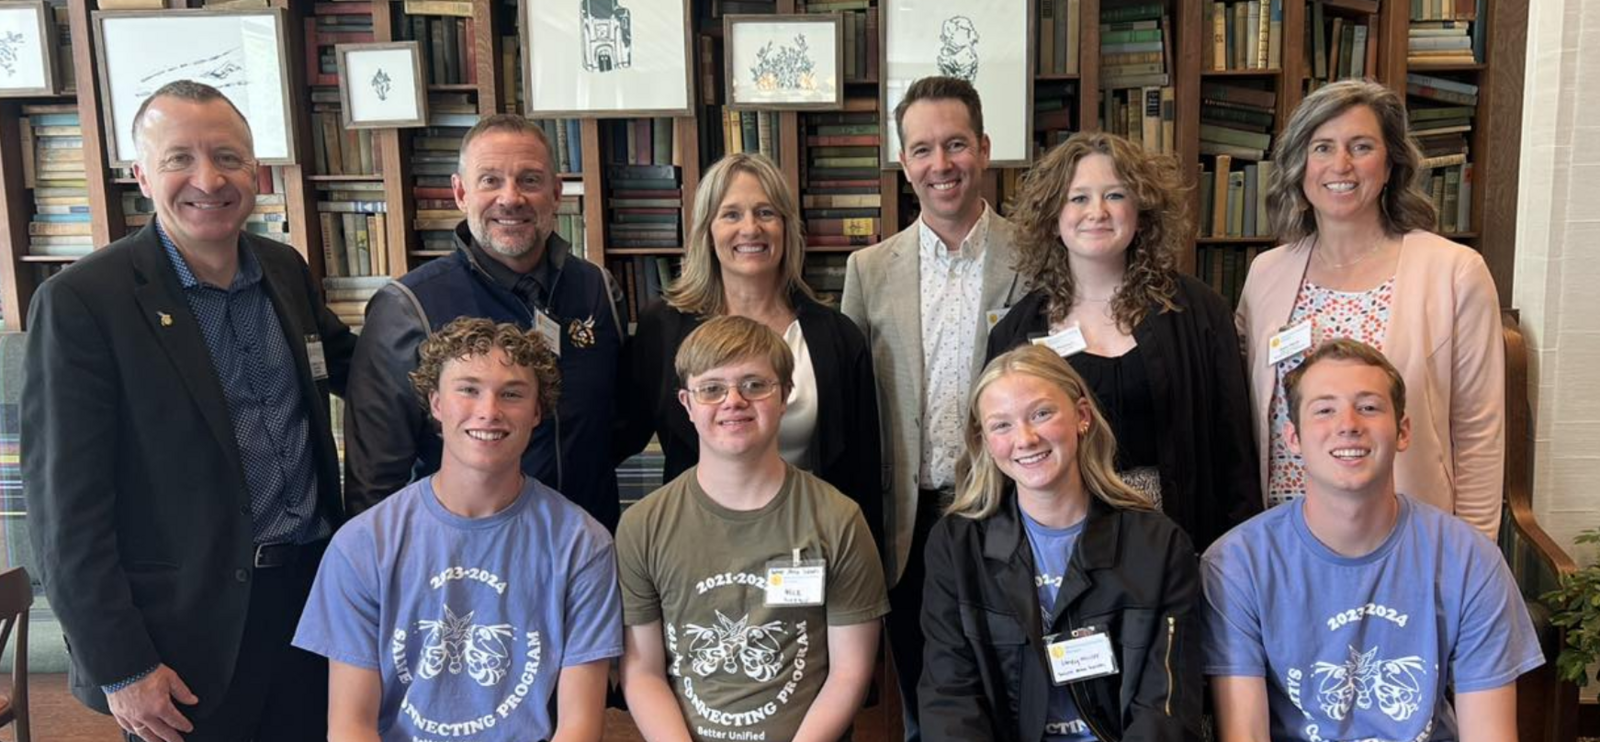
[[1347, 264]]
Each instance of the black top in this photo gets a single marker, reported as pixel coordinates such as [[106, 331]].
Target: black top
[[1121, 386], [1210, 477]]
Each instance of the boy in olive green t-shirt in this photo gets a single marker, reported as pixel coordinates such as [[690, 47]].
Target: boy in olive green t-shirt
[[751, 589]]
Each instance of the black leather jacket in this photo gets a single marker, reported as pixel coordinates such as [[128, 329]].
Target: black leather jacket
[[985, 674]]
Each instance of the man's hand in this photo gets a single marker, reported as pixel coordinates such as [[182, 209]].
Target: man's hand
[[145, 708]]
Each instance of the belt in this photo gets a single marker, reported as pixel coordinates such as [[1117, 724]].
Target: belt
[[279, 555]]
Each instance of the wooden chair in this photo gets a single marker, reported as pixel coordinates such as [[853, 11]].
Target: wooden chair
[[1547, 707], [16, 598]]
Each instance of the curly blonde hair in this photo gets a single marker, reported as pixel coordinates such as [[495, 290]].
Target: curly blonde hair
[[467, 337], [1164, 223], [981, 486]]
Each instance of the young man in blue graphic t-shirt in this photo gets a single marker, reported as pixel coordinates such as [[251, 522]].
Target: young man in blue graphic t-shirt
[[456, 608], [1356, 612]]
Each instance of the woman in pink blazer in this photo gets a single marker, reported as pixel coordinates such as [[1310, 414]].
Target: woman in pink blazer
[[1359, 262]]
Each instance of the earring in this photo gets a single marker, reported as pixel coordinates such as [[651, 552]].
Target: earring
[[1083, 430]]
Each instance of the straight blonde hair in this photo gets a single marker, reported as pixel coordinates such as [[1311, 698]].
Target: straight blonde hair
[[981, 486]]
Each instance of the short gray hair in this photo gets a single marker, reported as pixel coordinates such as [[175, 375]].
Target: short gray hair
[[505, 122], [189, 90]]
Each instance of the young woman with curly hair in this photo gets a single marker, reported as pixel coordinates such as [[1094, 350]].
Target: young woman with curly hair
[[1099, 222]]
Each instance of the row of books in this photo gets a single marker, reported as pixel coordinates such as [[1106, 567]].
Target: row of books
[[52, 165], [1450, 187], [1135, 46], [824, 273], [1245, 35], [751, 131], [1233, 199], [66, 74], [336, 150], [1053, 121], [335, 23], [1237, 119], [435, 152], [637, 141], [1441, 42], [1148, 116], [1338, 47], [644, 206], [1444, 10], [566, 138], [643, 279], [448, 49], [1224, 267], [347, 297], [841, 192], [860, 35], [570, 225], [1058, 36], [353, 217]]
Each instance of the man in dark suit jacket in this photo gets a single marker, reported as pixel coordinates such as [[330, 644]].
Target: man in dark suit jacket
[[182, 477]]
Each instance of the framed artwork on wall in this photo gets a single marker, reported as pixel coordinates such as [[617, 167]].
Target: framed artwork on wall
[[784, 62], [976, 40], [381, 85], [607, 58], [27, 49], [241, 53]]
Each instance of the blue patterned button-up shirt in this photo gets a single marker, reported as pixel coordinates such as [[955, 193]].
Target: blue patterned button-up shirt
[[256, 369]]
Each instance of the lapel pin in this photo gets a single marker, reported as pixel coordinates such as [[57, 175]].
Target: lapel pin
[[166, 319]]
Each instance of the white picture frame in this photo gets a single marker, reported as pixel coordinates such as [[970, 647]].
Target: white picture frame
[[242, 53], [27, 49], [607, 58], [784, 62], [381, 85], [973, 39]]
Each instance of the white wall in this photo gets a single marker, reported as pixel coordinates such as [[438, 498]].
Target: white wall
[[1558, 261]]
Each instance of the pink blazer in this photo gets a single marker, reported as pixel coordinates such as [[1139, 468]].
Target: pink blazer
[[1444, 337]]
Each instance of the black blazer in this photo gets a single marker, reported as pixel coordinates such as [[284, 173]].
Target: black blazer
[[985, 674], [845, 443], [137, 503], [1210, 477]]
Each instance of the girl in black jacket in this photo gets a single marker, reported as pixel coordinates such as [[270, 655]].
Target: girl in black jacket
[[1046, 553]]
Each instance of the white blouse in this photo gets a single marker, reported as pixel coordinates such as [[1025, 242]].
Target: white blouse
[[799, 422]]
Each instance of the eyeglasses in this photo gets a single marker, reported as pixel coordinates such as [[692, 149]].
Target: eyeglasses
[[751, 390]]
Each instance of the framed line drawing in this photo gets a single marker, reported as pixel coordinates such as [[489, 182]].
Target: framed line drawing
[[784, 62], [607, 58], [381, 85], [27, 49], [976, 40], [241, 53]]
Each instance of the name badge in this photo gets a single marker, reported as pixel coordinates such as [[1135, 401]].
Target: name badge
[[994, 316], [319, 361], [1289, 343], [796, 581], [1066, 342], [549, 331], [1088, 654]]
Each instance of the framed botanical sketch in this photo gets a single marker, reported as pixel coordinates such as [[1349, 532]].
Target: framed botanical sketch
[[976, 40], [381, 85], [607, 58], [241, 53], [784, 61], [27, 49]]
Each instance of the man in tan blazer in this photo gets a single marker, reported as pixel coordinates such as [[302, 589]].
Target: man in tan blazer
[[926, 298]]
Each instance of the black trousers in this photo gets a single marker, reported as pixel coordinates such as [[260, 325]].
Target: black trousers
[[905, 611], [278, 693]]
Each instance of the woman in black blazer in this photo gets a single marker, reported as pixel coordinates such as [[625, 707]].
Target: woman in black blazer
[[744, 256], [1099, 223]]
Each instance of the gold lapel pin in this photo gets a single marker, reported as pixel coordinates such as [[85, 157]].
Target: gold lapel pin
[[166, 319]]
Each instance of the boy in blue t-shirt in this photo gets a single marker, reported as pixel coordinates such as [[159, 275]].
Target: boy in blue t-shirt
[[457, 607], [1355, 612]]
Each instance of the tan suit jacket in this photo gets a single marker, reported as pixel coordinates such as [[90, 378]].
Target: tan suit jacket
[[882, 293], [1443, 337]]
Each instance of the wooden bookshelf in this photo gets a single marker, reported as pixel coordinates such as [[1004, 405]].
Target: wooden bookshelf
[[1492, 229]]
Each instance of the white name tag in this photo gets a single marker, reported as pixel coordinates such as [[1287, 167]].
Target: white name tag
[[1289, 343], [795, 582], [994, 316], [549, 331], [1066, 342], [1083, 657], [318, 361]]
